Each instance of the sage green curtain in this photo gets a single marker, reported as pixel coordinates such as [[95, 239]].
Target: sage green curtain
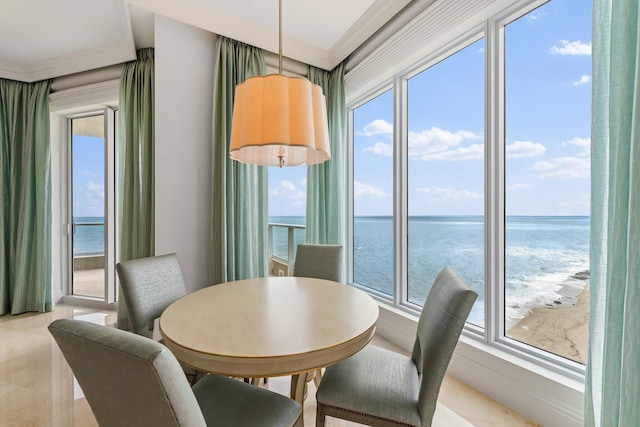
[[239, 192], [326, 181], [136, 142], [613, 370], [136, 212], [25, 192]]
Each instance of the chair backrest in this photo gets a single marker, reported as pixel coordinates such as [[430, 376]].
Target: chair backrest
[[149, 286], [319, 262], [442, 319], [128, 380]]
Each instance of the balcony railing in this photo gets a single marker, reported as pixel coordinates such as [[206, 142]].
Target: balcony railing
[[282, 245]]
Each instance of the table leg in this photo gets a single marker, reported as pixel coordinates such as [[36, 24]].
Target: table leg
[[298, 386]]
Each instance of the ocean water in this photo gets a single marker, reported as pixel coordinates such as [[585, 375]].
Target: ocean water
[[542, 256], [89, 236], [281, 236]]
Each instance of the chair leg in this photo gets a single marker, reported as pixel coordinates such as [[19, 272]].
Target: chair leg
[[320, 416]]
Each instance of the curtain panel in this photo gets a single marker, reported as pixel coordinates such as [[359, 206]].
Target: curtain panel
[[326, 181], [136, 144], [136, 214], [25, 192], [239, 191], [613, 370]]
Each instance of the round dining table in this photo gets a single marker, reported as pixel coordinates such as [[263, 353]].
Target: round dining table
[[267, 327]]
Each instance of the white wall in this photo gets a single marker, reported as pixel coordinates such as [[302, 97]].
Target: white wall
[[184, 68]]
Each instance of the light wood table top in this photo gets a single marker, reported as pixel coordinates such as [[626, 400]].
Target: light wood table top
[[271, 326]]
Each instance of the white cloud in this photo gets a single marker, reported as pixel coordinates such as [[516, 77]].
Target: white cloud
[[96, 191], [535, 15], [424, 144], [433, 144], [381, 148], [524, 149], [472, 152], [519, 186], [583, 80], [584, 143], [92, 186], [451, 193], [565, 168], [440, 145], [565, 47], [360, 189], [287, 185], [287, 188], [544, 166], [377, 127]]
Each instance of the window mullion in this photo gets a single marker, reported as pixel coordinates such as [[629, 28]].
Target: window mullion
[[349, 258], [494, 182], [400, 190]]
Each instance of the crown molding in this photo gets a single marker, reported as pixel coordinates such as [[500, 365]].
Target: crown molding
[[117, 52], [195, 14], [12, 72], [82, 61], [235, 28]]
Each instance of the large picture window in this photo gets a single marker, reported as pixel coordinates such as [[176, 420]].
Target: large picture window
[[547, 77], [445, 170], [373, 194], [486, 170]]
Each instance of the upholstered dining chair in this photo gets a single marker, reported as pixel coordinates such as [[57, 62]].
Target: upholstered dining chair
[[149, 286], [379, 387], [319, 262], [130, 380]]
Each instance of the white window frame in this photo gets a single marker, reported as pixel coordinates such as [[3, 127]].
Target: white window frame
[[66, 104], [490, 340]]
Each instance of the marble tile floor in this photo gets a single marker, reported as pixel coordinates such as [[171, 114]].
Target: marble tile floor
[[37, 387]]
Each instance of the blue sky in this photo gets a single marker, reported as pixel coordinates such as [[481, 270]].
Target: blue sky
[[88, 176], [548, 90]]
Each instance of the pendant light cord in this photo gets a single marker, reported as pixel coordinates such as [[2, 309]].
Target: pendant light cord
[[279, 36]]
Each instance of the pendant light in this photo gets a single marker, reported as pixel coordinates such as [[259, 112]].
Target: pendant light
[[279, 120]]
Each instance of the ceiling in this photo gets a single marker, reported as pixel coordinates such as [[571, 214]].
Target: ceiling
[[42, 39]]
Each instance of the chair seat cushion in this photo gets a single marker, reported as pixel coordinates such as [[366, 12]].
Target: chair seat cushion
[[228, 402], [375, 381]]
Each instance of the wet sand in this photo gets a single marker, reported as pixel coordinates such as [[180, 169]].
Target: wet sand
[[563, 330]]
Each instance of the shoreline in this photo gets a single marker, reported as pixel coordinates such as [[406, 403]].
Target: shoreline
[[562, 329]]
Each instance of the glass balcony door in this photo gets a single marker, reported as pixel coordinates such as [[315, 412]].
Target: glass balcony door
[[91, 206]]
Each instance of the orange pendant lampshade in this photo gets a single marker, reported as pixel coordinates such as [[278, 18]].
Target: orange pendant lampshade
[[279, 120]]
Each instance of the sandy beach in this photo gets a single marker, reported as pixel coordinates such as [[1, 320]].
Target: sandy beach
[[563, 330]]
